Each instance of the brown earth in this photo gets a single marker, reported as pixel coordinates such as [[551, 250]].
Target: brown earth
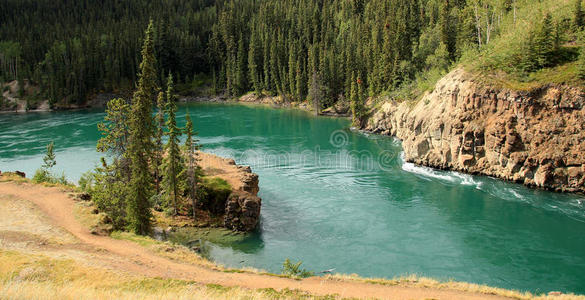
[[34, 215]]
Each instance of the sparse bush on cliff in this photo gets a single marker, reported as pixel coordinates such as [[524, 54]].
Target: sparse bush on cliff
[[44, 174]]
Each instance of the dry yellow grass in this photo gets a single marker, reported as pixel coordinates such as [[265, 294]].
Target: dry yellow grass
[[38, 277], [424, 282]]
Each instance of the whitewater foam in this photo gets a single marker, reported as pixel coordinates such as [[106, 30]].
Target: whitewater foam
[[449, 176]]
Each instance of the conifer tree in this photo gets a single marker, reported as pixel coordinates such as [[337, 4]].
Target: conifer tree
[[192, 171], [315, 93], [253, 66], [578, 17], [114, 129], [158, 151], [49, 159], [140, 148], [543, 42], [173, 164], [242, 60], [354, 99]]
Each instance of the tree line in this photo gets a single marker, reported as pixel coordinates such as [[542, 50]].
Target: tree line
[[74, 49], [321, 50], [143, 171]]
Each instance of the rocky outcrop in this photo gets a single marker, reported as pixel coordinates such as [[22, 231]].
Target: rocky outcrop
[[535, 138], [242, 211], [242, 207]]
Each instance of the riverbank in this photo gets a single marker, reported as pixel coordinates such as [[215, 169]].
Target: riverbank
[[467, 125], [46, 251], [464, 124], [340, 110]]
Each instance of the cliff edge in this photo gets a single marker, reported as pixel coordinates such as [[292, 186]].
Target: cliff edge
[[535, 138], [242, 206]]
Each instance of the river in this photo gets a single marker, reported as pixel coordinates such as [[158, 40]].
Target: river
[[337, 198]]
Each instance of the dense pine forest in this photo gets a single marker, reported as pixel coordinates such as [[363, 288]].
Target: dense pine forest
[[300, 49]]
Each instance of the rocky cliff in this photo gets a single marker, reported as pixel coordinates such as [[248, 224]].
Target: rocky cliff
[[242, 207], [535, 138]]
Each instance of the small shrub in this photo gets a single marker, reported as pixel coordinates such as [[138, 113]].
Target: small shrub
[[45, 176], [294, 269]]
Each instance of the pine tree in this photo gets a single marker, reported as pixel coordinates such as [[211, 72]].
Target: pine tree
[[543, 42], [241, 84], [191, 147], [158, 151], [361, 97], [49, 159], [578, 17], [140, 148], [115, 136], [448, 33], [253, 66], [354, 99], [173, 164], [315, 92]]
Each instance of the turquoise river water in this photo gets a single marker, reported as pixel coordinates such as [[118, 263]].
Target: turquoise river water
[[336, 198]]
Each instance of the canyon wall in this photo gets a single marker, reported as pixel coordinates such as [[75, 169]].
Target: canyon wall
[[535, 138]]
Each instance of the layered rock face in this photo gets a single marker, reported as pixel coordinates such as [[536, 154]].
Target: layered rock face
[[536, 138], [242, 211]]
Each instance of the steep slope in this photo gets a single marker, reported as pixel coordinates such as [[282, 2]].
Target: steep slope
[[535, 137]]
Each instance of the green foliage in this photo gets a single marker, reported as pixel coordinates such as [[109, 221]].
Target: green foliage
[[109, 192], [275, 47], [158, 144], [141, 146], [114, 129], [10, 60], [173, 165], [44, 174], [530, 39], [73, 58], [578, 16], [294, 269], [192, 172], [213, 193], [49, 159]]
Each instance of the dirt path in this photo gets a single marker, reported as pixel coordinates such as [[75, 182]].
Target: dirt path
[[59, 208]]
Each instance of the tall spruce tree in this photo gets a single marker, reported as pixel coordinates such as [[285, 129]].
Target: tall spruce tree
[[141, 146], [173, 163], [578, 16], [158, 144], [191, 147], [354, 99], [315, 92]]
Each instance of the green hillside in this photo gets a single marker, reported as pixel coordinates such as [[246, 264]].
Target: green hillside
[[345, 49]]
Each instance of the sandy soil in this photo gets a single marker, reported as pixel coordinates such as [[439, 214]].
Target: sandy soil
[[38, 218]]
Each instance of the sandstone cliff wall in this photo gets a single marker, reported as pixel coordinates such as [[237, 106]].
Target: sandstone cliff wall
[[536, 138]]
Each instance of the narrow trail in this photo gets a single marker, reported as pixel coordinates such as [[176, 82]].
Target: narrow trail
[[58, 206]]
